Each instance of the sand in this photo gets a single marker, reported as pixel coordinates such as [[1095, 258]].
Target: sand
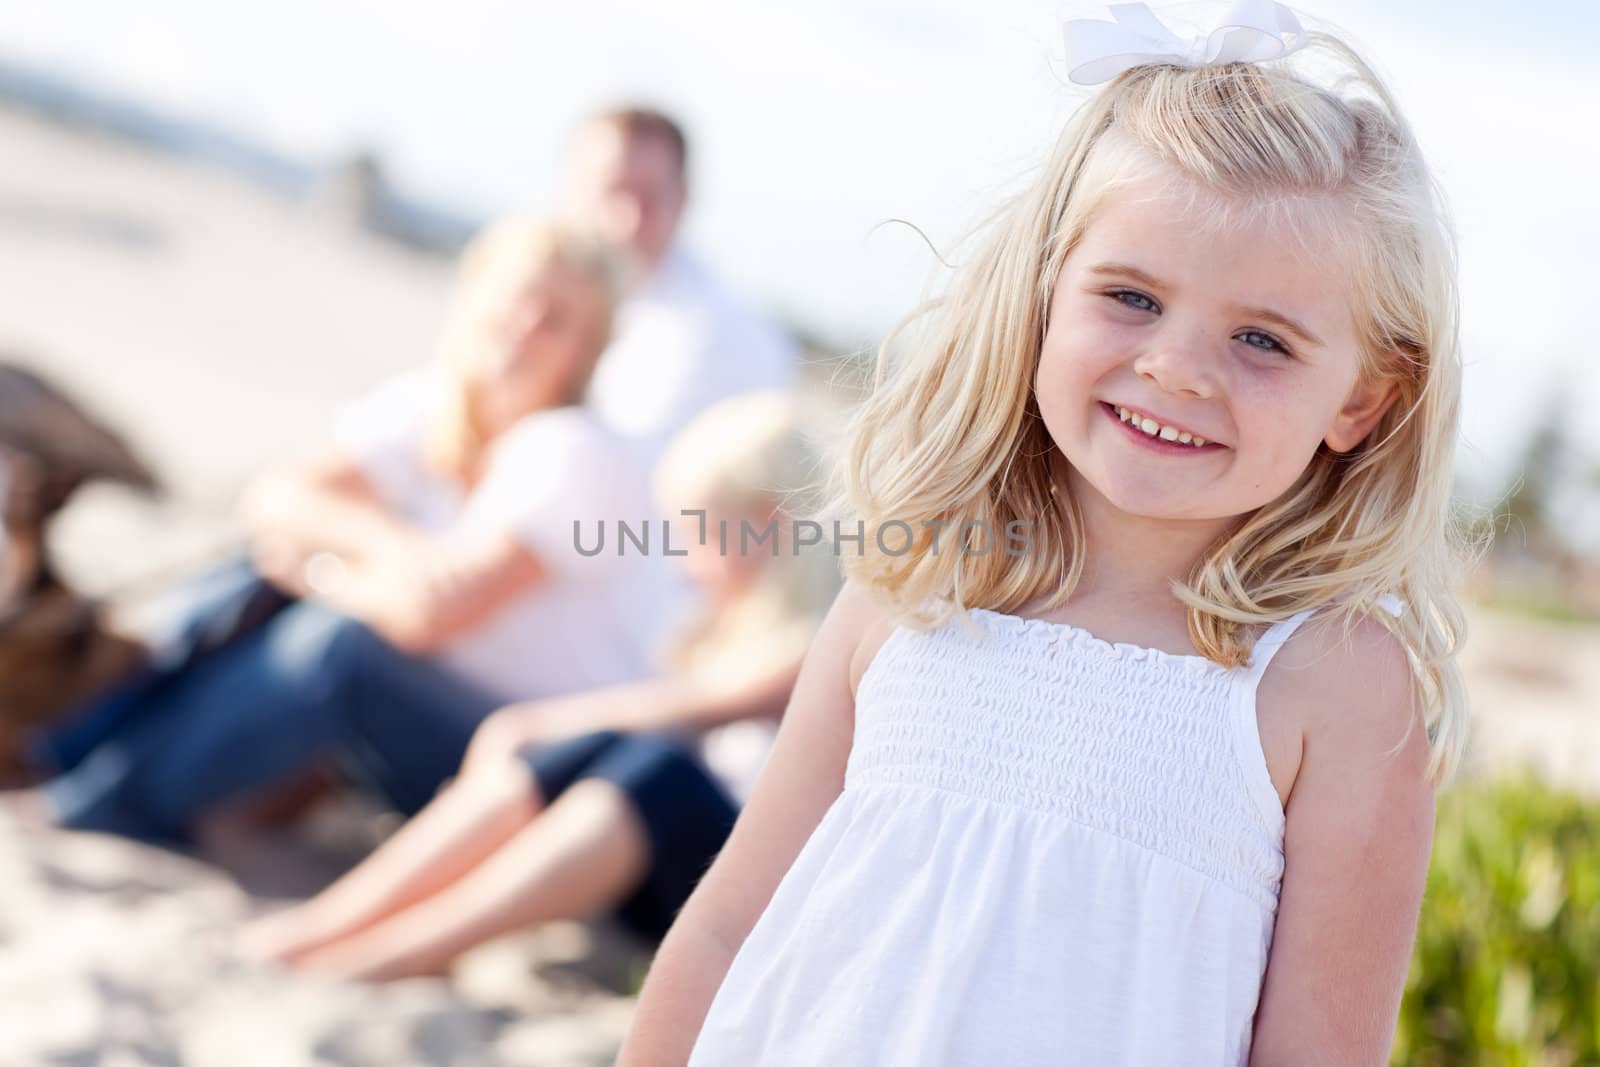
[[115, 953]]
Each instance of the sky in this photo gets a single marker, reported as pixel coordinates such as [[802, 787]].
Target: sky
[[813, 124]]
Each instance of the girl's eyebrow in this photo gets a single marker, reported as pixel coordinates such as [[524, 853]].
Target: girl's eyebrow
[[1278, 319]]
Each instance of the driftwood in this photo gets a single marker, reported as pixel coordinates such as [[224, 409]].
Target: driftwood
[[55, 647]]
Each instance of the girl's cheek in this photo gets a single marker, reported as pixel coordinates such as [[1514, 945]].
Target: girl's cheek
[[1055, 374], [1070, 363]]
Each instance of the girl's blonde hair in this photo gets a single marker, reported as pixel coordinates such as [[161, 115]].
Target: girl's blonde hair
[[499, 262], [748, 455], [955, 434]]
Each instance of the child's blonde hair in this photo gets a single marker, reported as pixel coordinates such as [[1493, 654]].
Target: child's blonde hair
[[505, 258], [956, 434], [748, 455]]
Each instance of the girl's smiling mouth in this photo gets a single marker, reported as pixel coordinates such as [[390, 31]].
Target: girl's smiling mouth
[[1156, 437]]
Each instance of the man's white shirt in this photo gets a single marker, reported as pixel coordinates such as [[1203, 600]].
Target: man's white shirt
[[682, 342]]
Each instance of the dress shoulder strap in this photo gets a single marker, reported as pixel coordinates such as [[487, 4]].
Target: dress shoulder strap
[[1268, 643], [1247, 737], [1246, 732]]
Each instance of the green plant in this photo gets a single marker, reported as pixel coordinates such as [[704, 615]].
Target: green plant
[[1506, 971]]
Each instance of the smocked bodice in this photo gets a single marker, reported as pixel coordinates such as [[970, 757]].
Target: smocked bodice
[[1130, 741], [1049, 849]]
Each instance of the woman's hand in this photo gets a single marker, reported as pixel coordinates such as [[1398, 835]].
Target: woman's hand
[[320, 529], [281, 561]]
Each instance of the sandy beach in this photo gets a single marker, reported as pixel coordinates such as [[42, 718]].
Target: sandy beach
[[219, 326]]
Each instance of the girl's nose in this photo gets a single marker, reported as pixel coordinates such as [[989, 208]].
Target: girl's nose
[[1180, 364]]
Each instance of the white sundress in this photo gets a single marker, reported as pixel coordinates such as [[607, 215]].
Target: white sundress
[[1049, 849]]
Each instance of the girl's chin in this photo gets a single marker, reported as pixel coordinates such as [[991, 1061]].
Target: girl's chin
[[1138, 495]]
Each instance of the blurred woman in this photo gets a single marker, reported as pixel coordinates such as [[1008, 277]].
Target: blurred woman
[[428, 555], [616, 799]]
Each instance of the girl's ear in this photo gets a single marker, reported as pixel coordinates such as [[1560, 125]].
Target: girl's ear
[[1362, 410]]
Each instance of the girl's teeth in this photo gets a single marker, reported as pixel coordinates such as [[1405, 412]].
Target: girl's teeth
[[1155, 429]]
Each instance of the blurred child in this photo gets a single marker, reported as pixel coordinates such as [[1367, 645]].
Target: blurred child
[[612, 799]]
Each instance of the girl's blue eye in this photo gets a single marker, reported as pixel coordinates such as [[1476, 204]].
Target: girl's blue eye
[[1274, 345], [1118, 294]]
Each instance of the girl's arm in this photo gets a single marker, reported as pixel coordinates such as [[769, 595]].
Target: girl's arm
[[1359, 829], [414, 588], [679, 701], [803, 776]]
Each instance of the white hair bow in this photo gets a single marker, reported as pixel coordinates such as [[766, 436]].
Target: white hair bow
[[1252, 31]]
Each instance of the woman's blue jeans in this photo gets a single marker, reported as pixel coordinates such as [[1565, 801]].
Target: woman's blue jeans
[[306, 685]]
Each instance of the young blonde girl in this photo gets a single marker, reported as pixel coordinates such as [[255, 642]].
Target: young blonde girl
[[615, 799], [1147, 783]]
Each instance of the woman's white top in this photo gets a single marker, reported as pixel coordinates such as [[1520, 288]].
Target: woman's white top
[[592, 620], [1049, 849]]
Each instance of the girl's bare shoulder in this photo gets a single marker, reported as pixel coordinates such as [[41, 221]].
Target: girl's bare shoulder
[[1328, 695], [860, 623]]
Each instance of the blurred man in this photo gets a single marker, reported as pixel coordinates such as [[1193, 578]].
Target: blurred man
[[683, 341]]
